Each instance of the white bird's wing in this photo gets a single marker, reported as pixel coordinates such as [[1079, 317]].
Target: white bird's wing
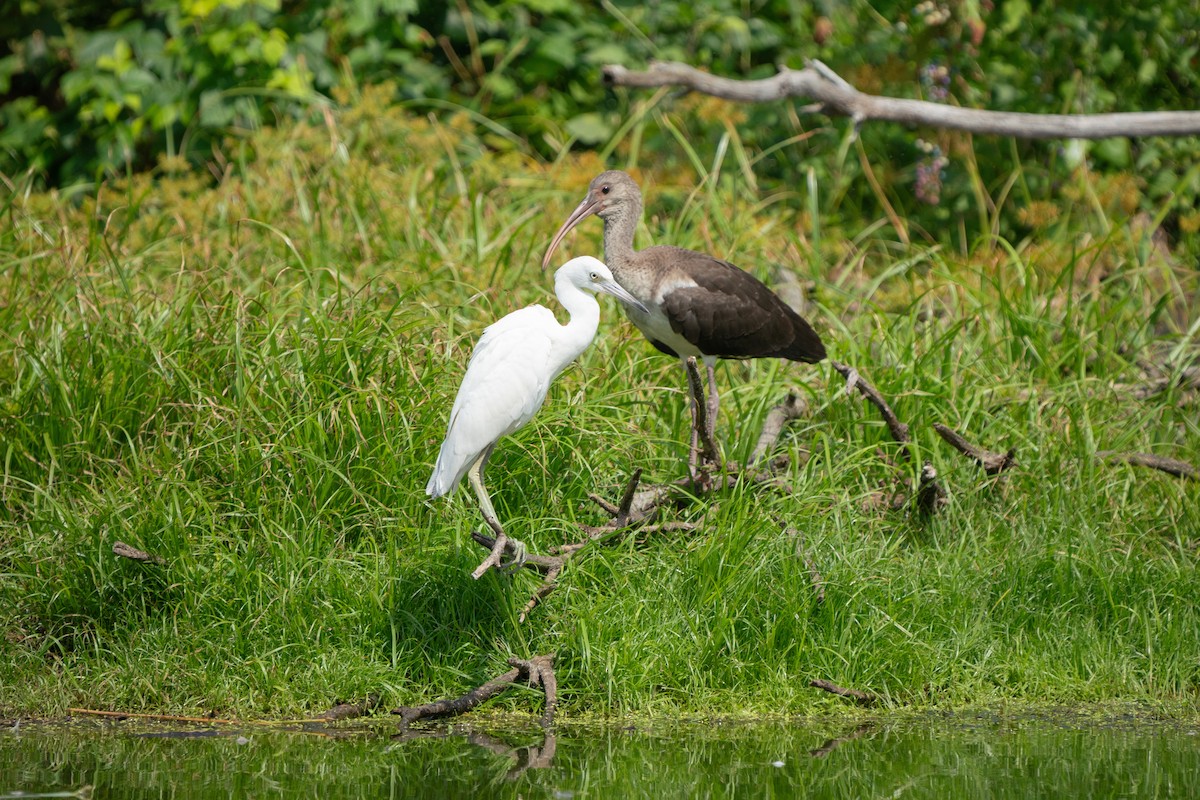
[[506, 382]]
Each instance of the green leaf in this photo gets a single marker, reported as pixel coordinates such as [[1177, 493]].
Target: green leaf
[[1114, 151], [560, 49], [589, 128], [1147, 71], [1014, 15]]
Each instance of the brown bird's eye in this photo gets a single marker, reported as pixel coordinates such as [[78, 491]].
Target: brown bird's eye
[[605, 189]]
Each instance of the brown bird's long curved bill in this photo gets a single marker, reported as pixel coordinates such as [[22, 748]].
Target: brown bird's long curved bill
[[582, 211]]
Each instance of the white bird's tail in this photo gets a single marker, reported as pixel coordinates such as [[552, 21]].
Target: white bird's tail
[[439, 482]]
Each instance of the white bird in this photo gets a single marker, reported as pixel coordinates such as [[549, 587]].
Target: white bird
[[510, 371]]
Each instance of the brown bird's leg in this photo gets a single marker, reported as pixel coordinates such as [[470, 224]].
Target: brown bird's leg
[[700, 426], [714, 401]]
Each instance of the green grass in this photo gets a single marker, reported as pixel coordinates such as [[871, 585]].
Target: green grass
[[251, 381]]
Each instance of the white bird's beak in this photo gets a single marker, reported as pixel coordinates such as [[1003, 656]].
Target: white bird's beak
[[621, 293]]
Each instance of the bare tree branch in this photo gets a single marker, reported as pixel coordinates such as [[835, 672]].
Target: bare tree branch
[[537, 671], [992, 463], [792, 407], [352, 710], [899, 430], [132, 553], [858, 695], [1171, 466], [835, 97]]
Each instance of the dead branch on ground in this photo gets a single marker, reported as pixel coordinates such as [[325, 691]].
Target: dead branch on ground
[[342, 711], [898, 429], [132, 553], [992, 463], [537, 671], [930, 495], [500, 547], [1172, 466], [1159, 379], [793, 407], [857, 695], [834, 96]]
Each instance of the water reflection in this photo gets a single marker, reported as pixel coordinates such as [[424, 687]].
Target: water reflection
[[527, 756], [987, 756]]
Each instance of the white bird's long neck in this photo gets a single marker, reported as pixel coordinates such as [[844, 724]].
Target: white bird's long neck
[[585, 316]]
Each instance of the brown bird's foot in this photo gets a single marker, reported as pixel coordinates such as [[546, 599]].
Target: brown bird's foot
[[703, 464], [703, 458]]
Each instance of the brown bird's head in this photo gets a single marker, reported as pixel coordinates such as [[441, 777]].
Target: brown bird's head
[[610, 195]]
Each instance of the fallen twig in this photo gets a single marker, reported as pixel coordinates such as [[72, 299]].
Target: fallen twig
[[132, 553], [930, 495], [792, 407], [859, 696], [899, 430], [992, 463], [93, 712], [638, 507], [352, 710], [1172, 466], [1159, 379], [537, 671], [550, 567]]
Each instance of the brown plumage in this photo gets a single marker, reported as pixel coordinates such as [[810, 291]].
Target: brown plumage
[[699, 306]]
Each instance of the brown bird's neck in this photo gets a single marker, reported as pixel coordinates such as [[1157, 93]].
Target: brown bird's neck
[[619, 227]]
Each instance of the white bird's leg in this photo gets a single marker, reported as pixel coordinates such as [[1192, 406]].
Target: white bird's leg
[[503, 541]]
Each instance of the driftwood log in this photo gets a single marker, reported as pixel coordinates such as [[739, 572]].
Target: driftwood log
[[834, 96]]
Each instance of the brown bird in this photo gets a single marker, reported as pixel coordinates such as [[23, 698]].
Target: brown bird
[[699, 306]]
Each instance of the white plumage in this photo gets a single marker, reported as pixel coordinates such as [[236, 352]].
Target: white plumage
[[508, 376], [511, 369]]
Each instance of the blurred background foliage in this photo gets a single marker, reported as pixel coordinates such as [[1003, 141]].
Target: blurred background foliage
[[90, 89]]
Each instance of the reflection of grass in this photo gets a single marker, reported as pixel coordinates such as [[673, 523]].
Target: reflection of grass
[[251, 381]]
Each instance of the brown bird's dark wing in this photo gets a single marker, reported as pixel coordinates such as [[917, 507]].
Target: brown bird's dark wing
[[731, 314]]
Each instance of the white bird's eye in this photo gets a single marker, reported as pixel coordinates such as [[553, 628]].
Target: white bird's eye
[[595, 276]]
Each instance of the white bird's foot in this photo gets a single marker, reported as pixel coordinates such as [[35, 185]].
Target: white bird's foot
[[518, 559]]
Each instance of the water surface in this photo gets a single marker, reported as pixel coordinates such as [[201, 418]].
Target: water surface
[[976, 756]]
